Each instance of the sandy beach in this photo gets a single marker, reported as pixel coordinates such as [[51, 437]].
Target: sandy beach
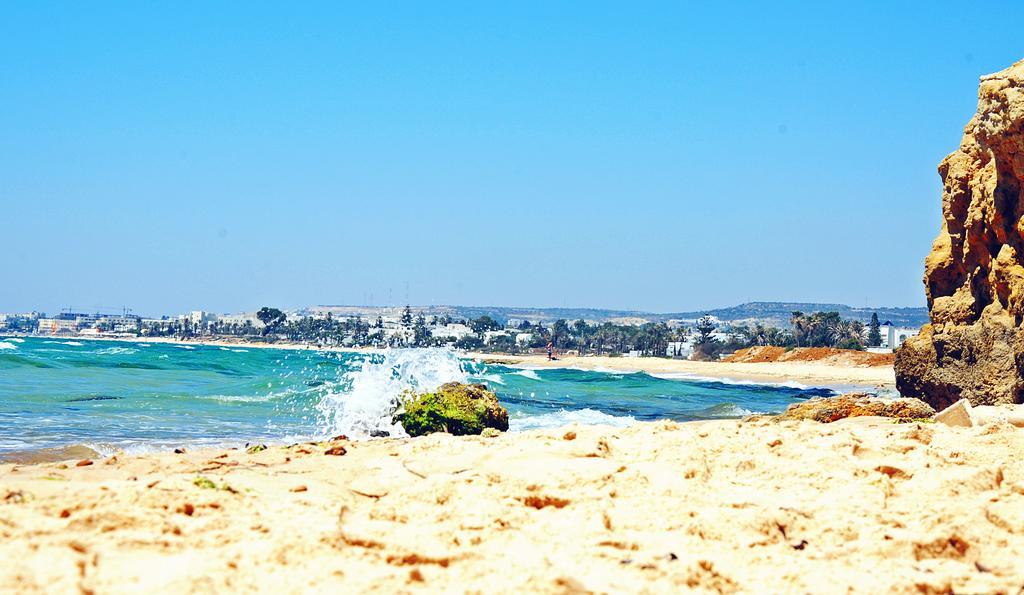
[[716, 507], [809, 373]]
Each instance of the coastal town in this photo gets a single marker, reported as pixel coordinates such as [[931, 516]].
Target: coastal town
[[704, 337]]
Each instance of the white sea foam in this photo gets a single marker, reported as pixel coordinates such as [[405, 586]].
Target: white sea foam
[[372, 395], [234, 350], [184, 347], [71, 343], [556, 419], [737, 382], [603, 370], [117, 351], [239, 398], [6, 345], [495, 378], [728, 410], [15, 339], [528, 374]]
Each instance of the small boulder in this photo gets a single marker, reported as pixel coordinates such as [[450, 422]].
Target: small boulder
[[455, 408], [830, 409]]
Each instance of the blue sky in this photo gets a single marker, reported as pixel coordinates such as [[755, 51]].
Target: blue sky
[[655, 156]]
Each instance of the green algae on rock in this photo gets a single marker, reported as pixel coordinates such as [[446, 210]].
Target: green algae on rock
[[455, 408]]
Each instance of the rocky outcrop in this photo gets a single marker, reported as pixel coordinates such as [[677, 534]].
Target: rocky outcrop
[[830, 409], [973, 347], [454, 408]]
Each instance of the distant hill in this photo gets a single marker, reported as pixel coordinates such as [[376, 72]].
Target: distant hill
[[779, 312], [773, 313]]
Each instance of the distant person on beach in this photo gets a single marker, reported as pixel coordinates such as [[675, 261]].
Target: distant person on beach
[[551, 347]]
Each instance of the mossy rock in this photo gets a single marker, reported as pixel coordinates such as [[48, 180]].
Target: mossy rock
[[455, 408]]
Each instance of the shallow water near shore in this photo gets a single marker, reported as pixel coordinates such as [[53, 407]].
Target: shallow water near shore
[[110, 396]]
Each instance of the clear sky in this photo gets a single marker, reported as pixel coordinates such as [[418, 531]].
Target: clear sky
[[657, 156]]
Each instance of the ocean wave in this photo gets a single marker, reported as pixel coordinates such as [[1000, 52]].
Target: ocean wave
[[528, 373], [234, 350], [71, 343], [371, 394], [6, 345], [685, 376], [184, 347], [239, 398], [495, 378], [603, 370], [726, 410], [562, 417], [117, 351], [15, 339]]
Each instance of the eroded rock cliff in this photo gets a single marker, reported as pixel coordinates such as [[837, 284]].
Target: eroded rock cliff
[[974, 278]]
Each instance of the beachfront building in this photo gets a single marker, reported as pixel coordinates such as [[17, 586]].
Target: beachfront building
[[199, 318], [57, 326], [125, 323], [240, 319], [894, 336], [492, 335], [679, 349], [451, 331]]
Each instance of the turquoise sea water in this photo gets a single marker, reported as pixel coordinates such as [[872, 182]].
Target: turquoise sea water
[[132, 396]]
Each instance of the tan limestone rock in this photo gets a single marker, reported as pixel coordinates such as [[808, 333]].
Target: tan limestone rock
[[974, 276]]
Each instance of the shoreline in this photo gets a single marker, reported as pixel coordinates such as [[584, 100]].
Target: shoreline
[[805, 373], [808, 373], [713, 506]]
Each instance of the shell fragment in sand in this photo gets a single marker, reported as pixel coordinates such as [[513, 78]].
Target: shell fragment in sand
[[963, 414], [957, 414]]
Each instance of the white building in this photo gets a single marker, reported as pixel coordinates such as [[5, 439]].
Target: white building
[[240, 319], [120, 323], [680, 349], [491, 335], [454, 331], [894, 336]]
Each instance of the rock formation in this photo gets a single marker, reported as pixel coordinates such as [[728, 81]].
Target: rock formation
[[973, 347], [830, 409], [454, 408]]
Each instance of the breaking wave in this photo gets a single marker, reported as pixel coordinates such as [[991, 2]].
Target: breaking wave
[[527, 373], [557, 419], [369, 396]]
